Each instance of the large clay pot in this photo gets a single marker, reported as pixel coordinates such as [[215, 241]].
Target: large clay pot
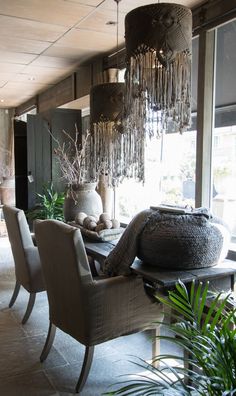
[[7, 191], [83, 198]]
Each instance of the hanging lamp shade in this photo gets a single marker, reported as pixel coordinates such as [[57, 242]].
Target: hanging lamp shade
[[106, 103], [113, 151], [158, 68]]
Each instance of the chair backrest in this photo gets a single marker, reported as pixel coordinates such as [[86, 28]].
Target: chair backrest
[[20, 239], [66, 273]]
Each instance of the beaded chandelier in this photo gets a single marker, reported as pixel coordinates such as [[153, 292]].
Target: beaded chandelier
[[158, 68]]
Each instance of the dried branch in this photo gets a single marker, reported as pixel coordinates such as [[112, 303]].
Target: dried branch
[[72, 158]]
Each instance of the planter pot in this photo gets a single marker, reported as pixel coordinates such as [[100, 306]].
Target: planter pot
[[7, 191], [83, 199]]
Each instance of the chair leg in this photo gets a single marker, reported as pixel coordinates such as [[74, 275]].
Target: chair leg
[[29, 307], [15, 294], [49, 341], [88, 358]]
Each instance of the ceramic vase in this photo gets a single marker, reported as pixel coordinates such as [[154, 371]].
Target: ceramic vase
[[7, 191], [82, 198]]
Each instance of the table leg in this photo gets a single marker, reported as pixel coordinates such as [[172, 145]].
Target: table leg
[[156, 345], [156, 342]]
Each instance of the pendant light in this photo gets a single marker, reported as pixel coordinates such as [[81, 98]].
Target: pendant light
[[106, 114], [106, 104], [158, 68], [115, 152]]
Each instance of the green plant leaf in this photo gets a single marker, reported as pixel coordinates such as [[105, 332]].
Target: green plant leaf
[[197, 297], [205, 329], [203, 303], [181, 288], [192, 292], [50, 204]]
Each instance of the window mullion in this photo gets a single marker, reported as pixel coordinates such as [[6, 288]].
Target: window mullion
[[205, 119]]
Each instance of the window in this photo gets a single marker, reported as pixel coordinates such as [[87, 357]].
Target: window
[[210, 153], [169, 168], [169, 176], [223, 199], [171, 161]]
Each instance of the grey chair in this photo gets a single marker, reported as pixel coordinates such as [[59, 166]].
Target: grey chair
[[92, 311], [28, 269]]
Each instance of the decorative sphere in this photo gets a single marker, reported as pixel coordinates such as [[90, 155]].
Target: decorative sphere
[[108, 224], [103, 217], [115, 223], [79, 218], [92, 225], [88, 220]]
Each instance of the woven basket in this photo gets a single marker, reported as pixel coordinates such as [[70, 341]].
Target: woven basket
[[183, 241]]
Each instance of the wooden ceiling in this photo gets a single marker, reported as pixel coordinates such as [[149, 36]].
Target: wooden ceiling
[[43, 41]]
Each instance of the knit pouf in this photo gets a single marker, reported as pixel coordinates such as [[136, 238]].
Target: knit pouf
[[183, 241]]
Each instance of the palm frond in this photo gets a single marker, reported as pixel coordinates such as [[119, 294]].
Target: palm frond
[[206, 330]]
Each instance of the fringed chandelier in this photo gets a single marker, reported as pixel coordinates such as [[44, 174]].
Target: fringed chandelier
[[158, 68], [113, 151]]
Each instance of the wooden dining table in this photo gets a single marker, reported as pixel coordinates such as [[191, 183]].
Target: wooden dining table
[[220, 276]]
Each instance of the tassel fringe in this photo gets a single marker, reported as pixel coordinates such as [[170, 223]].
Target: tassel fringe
[[158, 90], [118, 155]]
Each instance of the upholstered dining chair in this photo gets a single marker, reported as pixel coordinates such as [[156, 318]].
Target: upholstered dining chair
[[28, 269], [90, 310]]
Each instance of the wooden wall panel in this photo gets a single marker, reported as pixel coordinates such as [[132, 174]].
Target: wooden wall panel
[[42, 162], [20, 150], [97, 72], [27, 106], [212, 13], [39, 156], [83, 81], [61, 93], [67, 120]]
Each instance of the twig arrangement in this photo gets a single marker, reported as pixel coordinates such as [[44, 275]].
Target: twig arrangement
[[72, 157]]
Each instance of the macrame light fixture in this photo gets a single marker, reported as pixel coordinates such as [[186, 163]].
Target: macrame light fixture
[[111, 146], [158, 68], [106, 105], [115, 152]]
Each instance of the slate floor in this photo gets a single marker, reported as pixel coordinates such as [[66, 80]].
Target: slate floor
[[22, 374]]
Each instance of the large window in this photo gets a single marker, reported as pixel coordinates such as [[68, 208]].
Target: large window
[[170, 163], [169, 176], [208, 150], [223, 200]]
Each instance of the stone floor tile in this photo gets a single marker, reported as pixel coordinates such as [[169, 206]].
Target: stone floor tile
[[21, 355], [9, 328], [35, 384], [105, 372]]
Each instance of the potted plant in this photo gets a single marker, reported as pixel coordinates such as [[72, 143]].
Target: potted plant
[[81, 195], [206, 332], [49, 205]]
